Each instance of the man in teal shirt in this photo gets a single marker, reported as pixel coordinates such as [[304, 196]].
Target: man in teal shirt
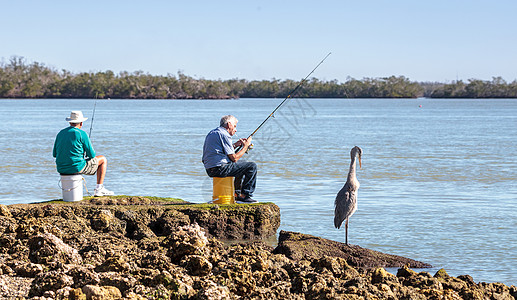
[[74, 153]]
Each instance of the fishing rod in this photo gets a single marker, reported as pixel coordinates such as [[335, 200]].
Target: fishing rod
[[93, 115], [286, 98]]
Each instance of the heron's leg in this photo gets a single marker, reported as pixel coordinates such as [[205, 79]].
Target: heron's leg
[[346, 231]]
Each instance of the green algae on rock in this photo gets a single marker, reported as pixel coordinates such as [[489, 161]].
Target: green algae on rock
[[144, 217]]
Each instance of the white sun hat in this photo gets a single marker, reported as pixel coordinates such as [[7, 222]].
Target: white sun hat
[[76, 116]]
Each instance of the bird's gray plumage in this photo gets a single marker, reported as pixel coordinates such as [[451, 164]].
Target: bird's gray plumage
[[346, 199]]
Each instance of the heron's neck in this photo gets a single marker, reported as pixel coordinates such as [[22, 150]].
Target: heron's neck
[[351, 172]]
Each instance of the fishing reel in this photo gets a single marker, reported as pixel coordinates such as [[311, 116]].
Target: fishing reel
[[237, 149]]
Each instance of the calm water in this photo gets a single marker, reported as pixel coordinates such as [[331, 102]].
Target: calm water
[[438, 182]]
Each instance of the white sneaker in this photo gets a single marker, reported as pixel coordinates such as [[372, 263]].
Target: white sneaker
[[102, 191]]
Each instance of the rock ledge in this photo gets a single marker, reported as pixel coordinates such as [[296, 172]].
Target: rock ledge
[[158, 249]]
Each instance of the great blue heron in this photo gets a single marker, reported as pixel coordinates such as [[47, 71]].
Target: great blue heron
[[346, 199]]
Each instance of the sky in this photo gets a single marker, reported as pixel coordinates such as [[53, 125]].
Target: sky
[[438, 41]]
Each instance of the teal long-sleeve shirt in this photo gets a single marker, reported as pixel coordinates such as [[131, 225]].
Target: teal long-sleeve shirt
[[71, 148]]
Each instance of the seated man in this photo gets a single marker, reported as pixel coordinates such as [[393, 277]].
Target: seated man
[[74, 153], [220, 159]]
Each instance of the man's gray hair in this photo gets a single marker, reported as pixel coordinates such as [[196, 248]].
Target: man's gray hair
[[227, 119]]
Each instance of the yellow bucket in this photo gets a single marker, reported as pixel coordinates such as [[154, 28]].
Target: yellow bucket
[[225, 200], [223, 190]]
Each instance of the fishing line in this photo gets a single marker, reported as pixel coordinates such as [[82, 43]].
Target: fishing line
[[290, 95]]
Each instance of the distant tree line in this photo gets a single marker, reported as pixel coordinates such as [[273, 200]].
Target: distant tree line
[[474, 88], [19, 79]]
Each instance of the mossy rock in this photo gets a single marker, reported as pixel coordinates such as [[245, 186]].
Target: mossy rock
[[139, 217]]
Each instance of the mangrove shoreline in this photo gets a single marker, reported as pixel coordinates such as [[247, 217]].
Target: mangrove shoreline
[[20, 80]]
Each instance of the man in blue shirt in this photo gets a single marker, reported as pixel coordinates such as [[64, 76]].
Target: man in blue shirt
[[74, 153], [221, 160]]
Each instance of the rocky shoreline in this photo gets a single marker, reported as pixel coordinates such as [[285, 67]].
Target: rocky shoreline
[[153, 248]]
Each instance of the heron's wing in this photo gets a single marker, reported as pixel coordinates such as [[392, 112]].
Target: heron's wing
[[344, 205]]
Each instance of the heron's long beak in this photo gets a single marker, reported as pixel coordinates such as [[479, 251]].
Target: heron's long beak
[[360, 162]]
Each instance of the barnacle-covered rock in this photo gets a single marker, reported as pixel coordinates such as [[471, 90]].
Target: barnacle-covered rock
[[196, 265], [47, 248], [50, 281], [187, 240]]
